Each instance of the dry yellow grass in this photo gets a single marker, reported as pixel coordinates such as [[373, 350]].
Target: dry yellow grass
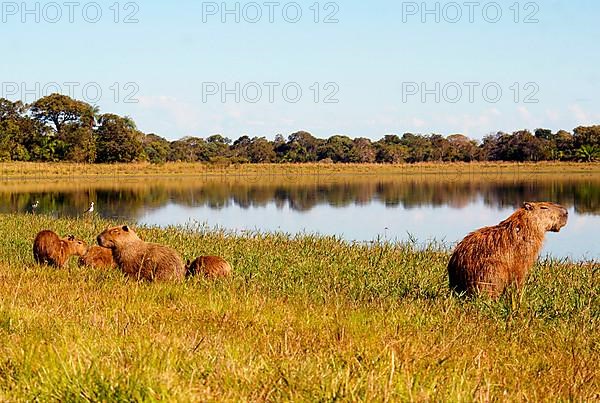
[[60, 170]]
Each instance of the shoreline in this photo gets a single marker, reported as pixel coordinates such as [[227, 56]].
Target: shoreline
[[24, 170]]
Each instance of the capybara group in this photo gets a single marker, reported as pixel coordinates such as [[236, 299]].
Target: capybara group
[[209, 266], [50, 249], [142, 260], [98, 257], [492, 258]]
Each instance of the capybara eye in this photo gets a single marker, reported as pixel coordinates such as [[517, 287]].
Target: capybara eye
[[544, 208]]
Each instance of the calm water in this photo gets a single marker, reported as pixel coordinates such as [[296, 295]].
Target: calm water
[[363, 208]]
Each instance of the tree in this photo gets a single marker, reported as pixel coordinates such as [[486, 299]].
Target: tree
[[544, 134], [78, 144], [260, 150], [588, 153], [362, 151], [336, 148], [301, 147], [216, 146], [563, 145], [441, 149], [15, 129], [419, 147], [589, 135], [118, 140], [156, 148], [189, 149], [72, 123], [59, 110], [390, 150], [462, 148]]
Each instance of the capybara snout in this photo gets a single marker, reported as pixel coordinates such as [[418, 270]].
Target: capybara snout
[[78, 247], [116, 235], [551, 216]]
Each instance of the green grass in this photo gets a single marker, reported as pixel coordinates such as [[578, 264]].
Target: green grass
[[305, 319]]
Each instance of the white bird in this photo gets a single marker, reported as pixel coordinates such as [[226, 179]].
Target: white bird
[[91, 209], [35, 205]]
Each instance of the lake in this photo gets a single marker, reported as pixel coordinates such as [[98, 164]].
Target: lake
[[414, 207]]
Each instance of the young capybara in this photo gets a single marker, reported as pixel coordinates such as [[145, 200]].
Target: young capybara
[[50, 249], [209, 266], [492, 258], [98, 257], [142, 260]]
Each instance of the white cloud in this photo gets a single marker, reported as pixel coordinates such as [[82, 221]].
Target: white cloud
[[176, 114]]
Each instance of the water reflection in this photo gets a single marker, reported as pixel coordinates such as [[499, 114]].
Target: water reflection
[[358, 207]]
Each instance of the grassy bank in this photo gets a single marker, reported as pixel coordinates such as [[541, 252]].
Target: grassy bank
[[17, 170], [304, 319]]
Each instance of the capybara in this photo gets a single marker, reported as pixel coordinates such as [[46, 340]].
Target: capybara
[[142, 260], [492, 258], [98, 257], [50, 249], [209, 267]]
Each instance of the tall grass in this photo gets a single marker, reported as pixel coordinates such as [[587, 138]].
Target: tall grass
[[305, 318]]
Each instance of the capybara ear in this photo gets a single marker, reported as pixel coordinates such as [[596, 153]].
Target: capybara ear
[[125, 228], [528, 206]]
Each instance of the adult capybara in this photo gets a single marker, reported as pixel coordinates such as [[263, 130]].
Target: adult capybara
[[50, 249], [209, 267], [491, 258], [142, 260], [98, 257]]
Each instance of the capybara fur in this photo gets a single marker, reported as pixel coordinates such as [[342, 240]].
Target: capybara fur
[[98, 257], [209, 266], [142, 260], [50, 249], [492, 258]]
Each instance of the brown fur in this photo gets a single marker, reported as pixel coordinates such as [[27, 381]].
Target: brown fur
[[49, 249], [492, 258], [98, 257], [142, 260], [209, 266]]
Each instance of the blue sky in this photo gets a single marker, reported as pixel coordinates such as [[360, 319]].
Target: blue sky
[[376, 61]]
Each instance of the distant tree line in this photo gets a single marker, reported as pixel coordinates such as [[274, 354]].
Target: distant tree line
[[59, 128]]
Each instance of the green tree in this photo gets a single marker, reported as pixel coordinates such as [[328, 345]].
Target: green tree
[[462, 148], [261, 150], [336, 148], [72, 123], [390, 150], [588, 153], [300, 147], [189, 149], [156, 148], [586, 135], [362, 151], [15, 130], [217, 147], [59, 110], [419, 147], [118, 140]]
